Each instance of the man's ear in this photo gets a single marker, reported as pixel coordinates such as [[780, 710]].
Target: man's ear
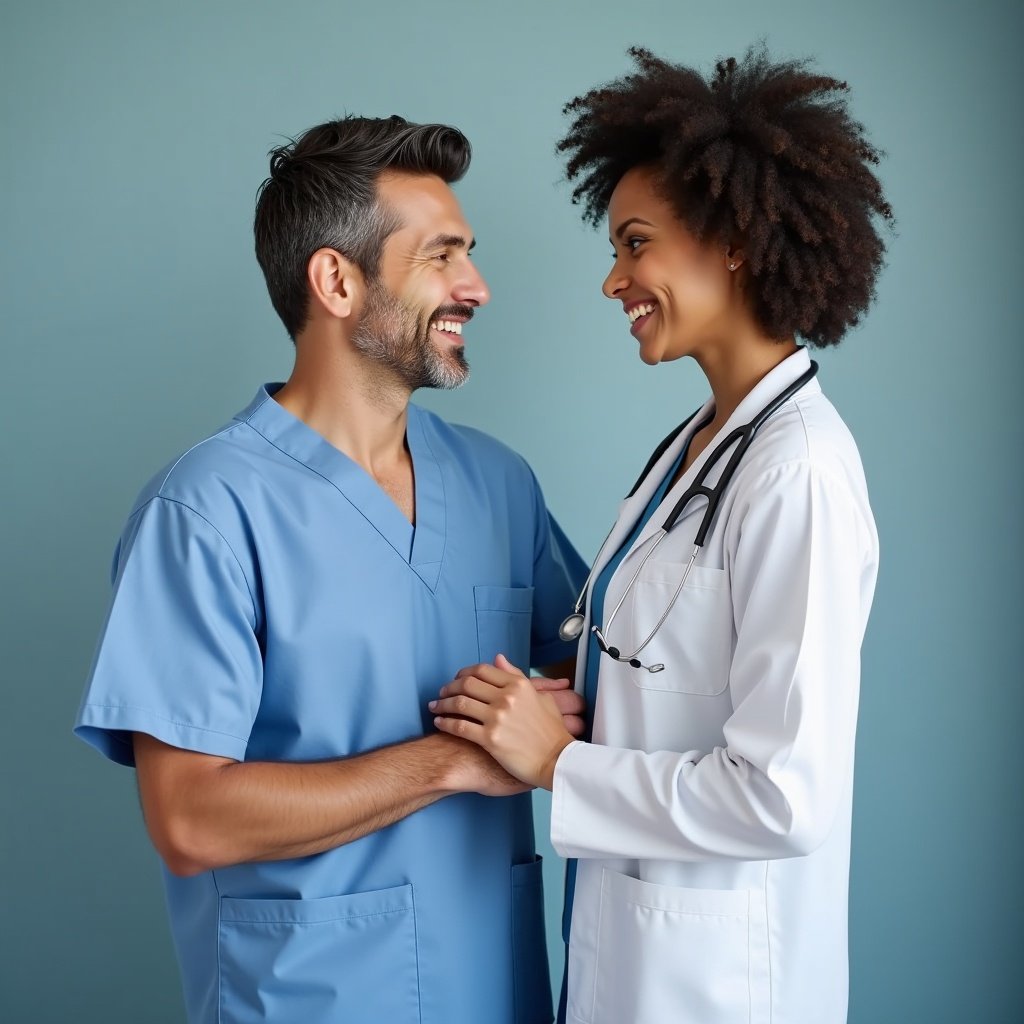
[[335, 283]]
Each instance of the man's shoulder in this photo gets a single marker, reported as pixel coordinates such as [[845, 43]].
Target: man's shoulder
[[472, 445], [214, 471]]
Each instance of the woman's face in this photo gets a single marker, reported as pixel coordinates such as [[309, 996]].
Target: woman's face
[[681, 292]]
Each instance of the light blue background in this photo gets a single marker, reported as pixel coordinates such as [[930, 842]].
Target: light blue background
[[134, 320]]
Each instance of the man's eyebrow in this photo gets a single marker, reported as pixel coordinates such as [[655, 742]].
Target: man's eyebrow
[[449, 242], [620, 230]]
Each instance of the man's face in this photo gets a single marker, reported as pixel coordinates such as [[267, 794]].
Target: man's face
[[427, 289]]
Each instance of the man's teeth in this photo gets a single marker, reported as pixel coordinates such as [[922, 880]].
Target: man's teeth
[[638, 311], [451, 326]]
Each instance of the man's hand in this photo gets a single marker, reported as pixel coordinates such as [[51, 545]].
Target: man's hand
[[473, 770], [498, 708], [570, 704]]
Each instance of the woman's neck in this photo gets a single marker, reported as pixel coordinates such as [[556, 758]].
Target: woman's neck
[[733, 371]]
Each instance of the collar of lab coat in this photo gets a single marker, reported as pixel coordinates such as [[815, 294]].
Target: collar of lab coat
[[776, 381]]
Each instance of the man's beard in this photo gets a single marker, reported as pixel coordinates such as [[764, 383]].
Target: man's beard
[[392, 335]]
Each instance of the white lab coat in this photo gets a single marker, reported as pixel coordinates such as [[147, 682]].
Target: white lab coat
[[711, 812]]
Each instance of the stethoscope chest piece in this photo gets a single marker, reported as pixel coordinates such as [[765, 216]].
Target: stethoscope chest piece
[[572, 628]]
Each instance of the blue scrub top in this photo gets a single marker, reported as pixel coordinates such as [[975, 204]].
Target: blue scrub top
[[271, 603]]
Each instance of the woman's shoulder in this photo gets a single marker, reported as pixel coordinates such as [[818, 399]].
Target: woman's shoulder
[[809, 435]]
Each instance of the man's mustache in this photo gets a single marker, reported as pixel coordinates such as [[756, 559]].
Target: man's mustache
[[447, 312]]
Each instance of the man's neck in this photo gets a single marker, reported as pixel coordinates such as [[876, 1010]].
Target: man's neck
[[354, 405]]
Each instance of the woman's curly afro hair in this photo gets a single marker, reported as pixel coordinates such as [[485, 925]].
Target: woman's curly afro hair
[[765, 156]]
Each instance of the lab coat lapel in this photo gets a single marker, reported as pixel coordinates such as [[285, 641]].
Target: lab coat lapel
[[764, 391], [632, 507], [630, 510]]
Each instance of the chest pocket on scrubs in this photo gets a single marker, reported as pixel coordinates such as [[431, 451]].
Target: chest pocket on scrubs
[[337, 960], [503, 619], [695, 641]]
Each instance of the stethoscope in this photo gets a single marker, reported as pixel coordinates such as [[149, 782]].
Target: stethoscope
[[741, 437]]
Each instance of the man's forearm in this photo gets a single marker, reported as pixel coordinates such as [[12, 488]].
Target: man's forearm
[[205, 812]]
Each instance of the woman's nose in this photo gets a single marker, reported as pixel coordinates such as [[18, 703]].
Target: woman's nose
[[614, 283]]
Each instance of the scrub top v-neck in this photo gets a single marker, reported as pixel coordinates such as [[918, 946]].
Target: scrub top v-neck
[[422, 545], [271, 602]]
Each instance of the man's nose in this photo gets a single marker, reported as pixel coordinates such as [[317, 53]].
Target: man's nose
[[471, 288]]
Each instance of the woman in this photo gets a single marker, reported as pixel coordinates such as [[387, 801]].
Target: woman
[[710, 813]]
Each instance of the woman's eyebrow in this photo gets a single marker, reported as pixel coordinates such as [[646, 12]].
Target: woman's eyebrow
[[632, 220]]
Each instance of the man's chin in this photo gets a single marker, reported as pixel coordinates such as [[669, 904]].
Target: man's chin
[[448, 372], [452, 378]]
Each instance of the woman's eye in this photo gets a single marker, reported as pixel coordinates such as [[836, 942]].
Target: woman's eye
[[632, 244]]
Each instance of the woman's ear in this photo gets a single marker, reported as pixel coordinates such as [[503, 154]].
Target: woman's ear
[[335, 283], [734, 258]]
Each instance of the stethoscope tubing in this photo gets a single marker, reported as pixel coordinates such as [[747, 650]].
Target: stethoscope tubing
[[739, 440]]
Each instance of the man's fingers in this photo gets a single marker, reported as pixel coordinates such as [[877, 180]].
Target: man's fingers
[[543, 684], [574, 725], [568, 702]]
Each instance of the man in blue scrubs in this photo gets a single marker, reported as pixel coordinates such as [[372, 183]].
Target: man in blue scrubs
[[292, 591]]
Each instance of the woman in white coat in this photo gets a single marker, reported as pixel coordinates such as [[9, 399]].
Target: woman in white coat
[[709, 815]]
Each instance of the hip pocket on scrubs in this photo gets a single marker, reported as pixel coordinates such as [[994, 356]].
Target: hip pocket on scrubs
[[338, 960], [529, 946], [503, 619], [671, 954], [694, 643]]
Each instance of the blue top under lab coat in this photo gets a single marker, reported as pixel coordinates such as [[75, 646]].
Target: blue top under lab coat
[[272, 603]]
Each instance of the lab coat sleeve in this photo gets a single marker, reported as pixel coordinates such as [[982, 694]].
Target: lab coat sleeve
[[178, 657], [558, 575], [799, 554]]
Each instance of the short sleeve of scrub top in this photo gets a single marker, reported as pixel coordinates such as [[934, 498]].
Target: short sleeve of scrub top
[[179, 657]]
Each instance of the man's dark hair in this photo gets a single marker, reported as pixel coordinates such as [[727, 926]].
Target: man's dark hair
[[322, 193], [765, 156]]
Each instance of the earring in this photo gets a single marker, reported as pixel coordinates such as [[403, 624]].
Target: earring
[[732, 265]]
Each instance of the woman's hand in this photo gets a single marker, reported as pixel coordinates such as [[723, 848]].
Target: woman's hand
[[499, 709]]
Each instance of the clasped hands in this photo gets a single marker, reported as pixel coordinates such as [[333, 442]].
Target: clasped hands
[[523, 723]]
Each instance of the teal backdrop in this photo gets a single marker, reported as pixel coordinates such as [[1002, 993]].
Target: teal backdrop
[[134, 320]]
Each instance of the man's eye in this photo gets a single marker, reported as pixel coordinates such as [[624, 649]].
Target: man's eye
[[442, 256]]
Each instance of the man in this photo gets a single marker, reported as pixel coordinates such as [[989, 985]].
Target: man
[[289, 595]]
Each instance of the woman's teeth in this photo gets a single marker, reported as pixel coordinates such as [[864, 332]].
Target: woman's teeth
[[638, 311], [451, 326]]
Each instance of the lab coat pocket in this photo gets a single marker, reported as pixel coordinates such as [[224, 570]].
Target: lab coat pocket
[[338, 960], [671, 954], [529, 946], [503, 618], [695, 641]]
